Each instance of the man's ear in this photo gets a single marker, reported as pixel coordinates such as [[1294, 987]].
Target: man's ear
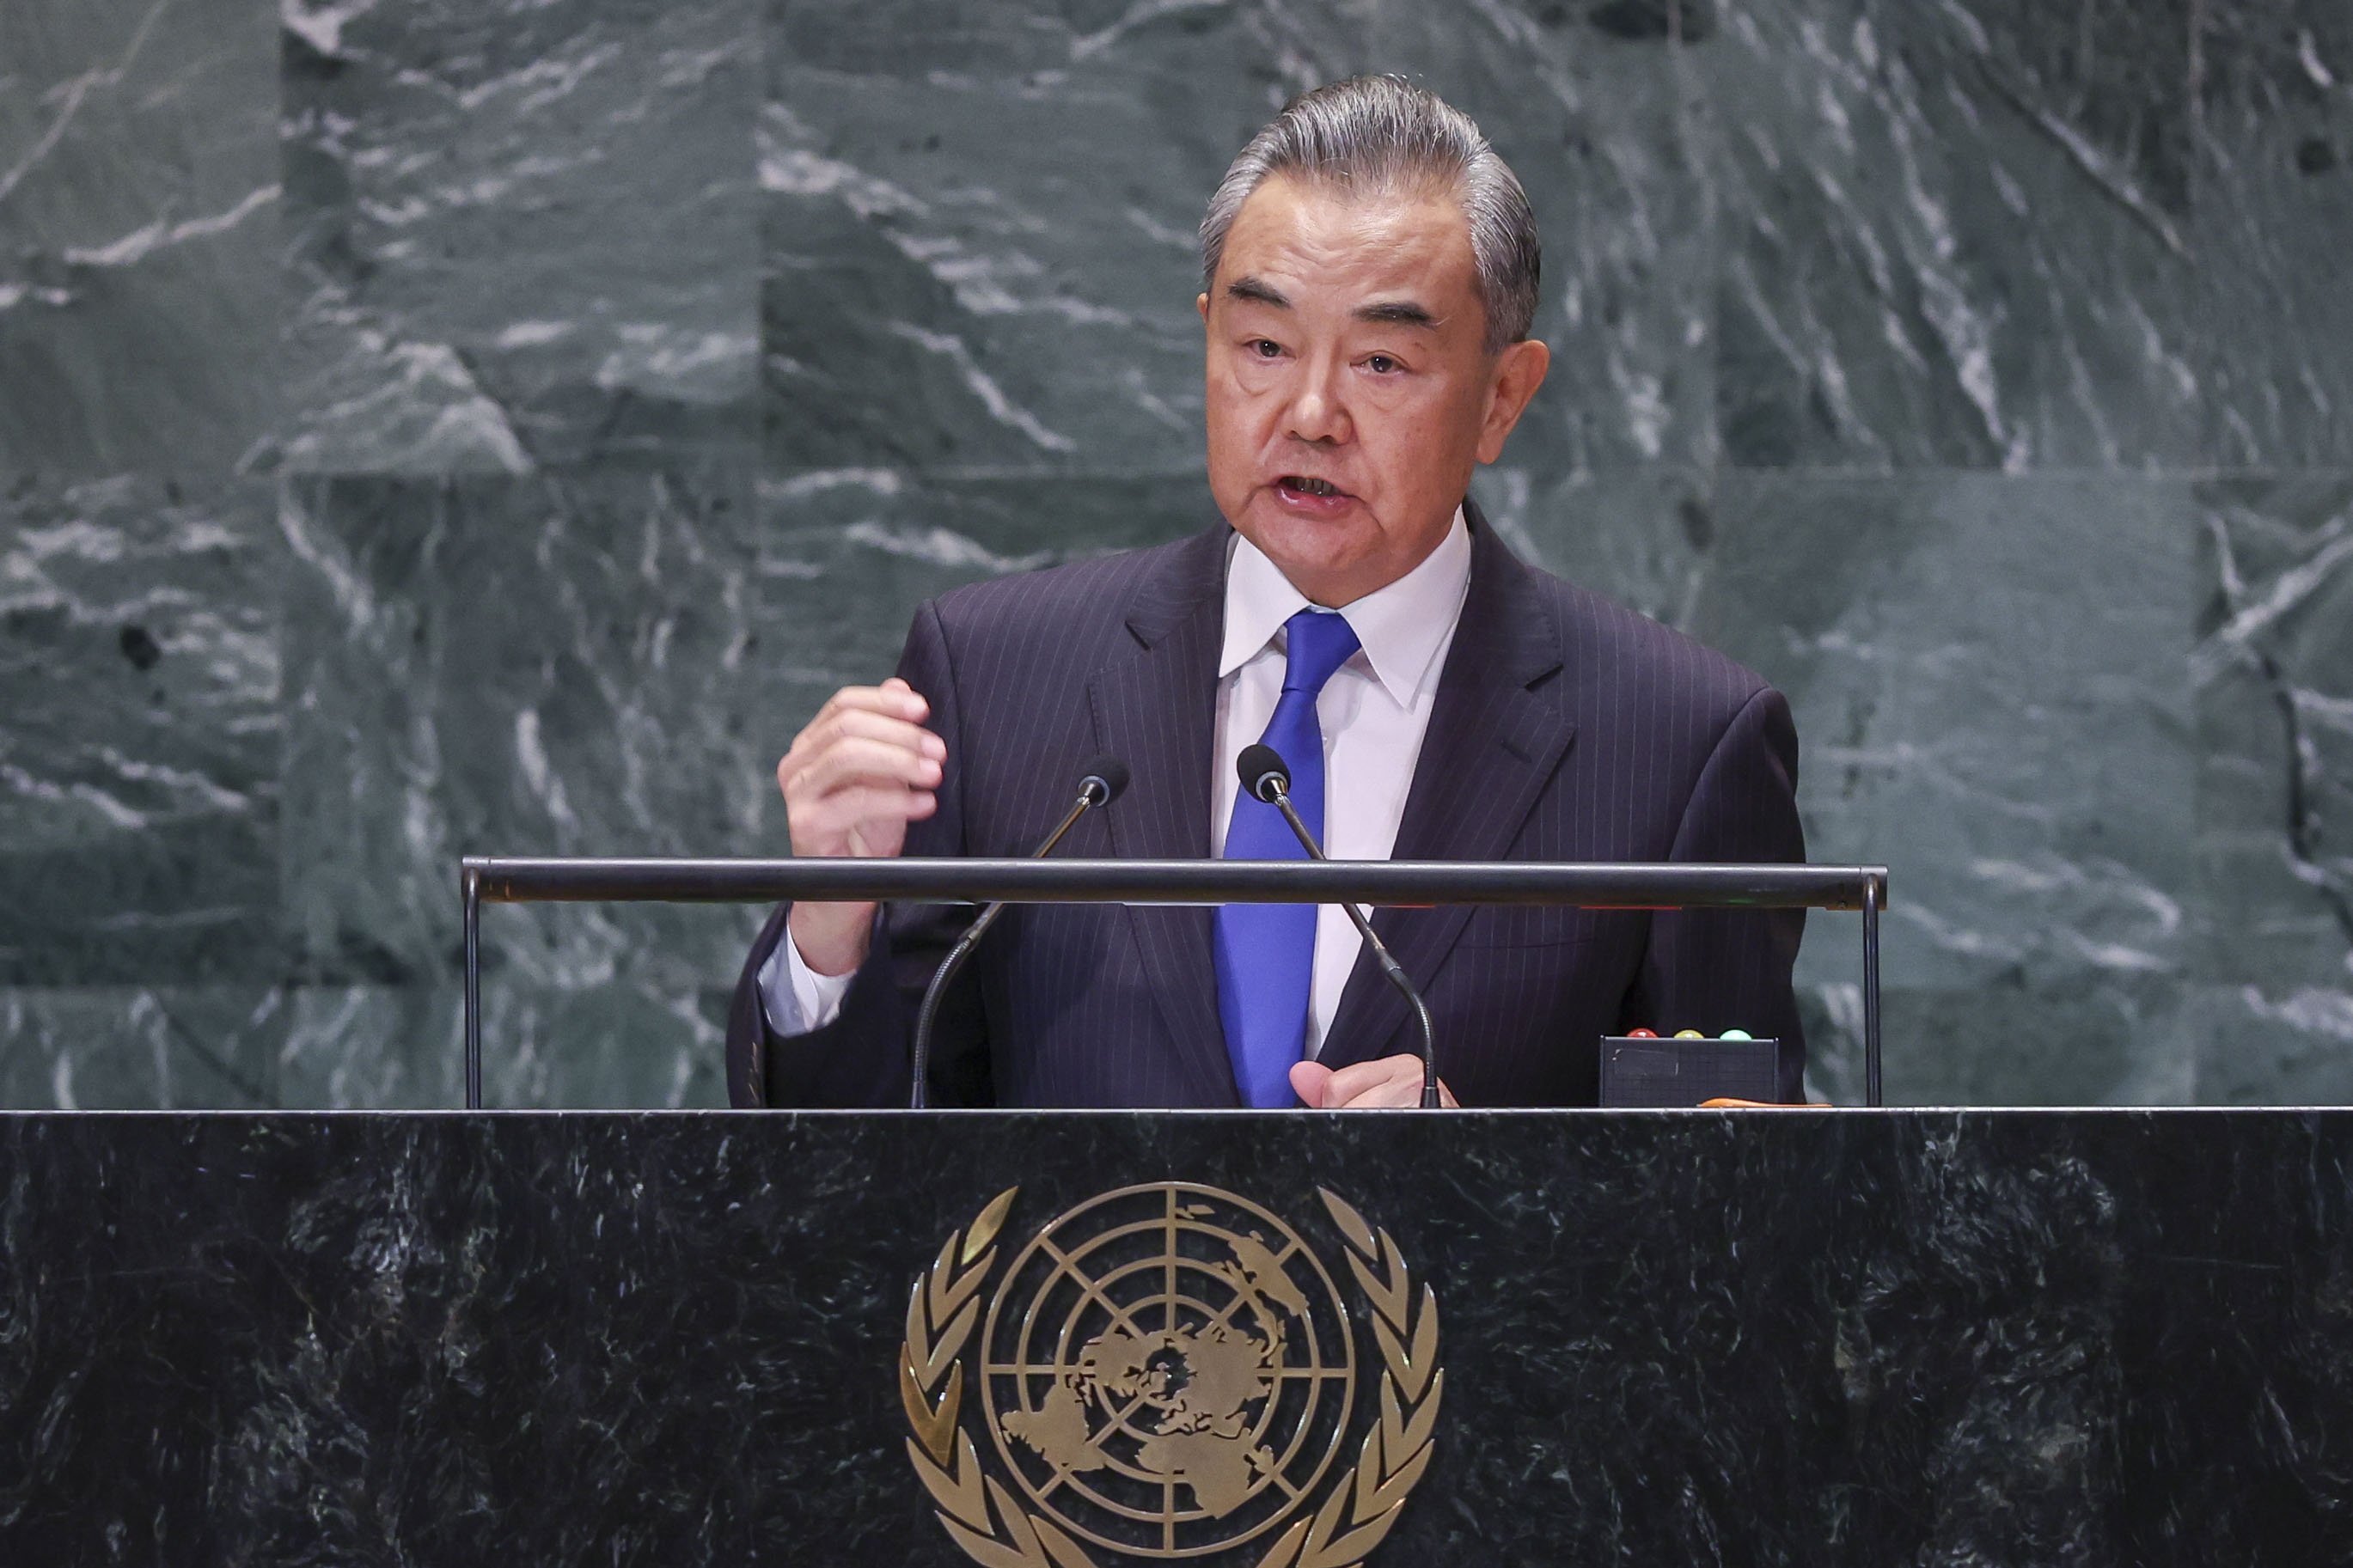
[[1202, 303], [1519, 371]]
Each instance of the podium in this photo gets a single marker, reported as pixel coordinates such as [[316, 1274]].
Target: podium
[[1773, 1337]]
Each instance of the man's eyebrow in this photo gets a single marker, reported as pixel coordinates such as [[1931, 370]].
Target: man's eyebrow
[[1258, 292], [1396, 312]]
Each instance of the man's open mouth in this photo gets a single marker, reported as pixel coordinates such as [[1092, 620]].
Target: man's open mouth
[[1311, 487]]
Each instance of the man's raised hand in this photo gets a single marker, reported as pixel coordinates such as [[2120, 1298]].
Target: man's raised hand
[[862, 770]]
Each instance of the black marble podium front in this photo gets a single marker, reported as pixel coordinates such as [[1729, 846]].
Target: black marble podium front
[[1826, 1338]]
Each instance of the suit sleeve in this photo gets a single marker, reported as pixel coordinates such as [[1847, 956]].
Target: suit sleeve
[[1713, 970], [862, 1057]]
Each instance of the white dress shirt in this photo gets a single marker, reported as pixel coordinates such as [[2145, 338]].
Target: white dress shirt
[[1373, 713]]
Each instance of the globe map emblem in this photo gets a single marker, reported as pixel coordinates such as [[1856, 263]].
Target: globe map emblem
[[1168, 1370]]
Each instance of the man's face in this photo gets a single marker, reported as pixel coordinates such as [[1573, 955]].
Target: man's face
[[1350, 393]]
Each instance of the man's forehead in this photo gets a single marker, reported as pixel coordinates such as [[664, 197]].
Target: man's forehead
[[1296, 239], [1392, 307]]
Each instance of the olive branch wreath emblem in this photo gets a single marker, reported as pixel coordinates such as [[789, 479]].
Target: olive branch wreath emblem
[[982, 1516]]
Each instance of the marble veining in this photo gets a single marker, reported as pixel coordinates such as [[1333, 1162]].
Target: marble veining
[[139, 208], [2276, 785], [519, 235], [2080, 1338], [1956, 235], [140, 673], [2045, 613], [2274, 188], [428, 427]]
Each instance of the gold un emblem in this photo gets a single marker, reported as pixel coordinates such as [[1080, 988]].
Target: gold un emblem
[[1167, 1372]]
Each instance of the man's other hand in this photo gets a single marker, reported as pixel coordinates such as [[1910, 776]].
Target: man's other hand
[[863, 769], [1392, 1083]]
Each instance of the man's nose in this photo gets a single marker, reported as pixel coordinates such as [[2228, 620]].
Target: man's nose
[[1319, 408]]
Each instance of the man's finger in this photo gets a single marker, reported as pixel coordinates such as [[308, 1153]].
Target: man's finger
[[816, 746], [1351, 1084], [863, 724], [845, 811], [895, 698], [1387, 1095], [860, 762], [1392, 1083]]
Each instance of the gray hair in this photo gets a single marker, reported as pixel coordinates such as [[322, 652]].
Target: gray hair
[[1383, 133]]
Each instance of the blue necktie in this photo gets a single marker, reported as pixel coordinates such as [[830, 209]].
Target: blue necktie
[[1266, 953]]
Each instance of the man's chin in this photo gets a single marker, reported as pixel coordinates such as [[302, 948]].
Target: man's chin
[[1331, 562]]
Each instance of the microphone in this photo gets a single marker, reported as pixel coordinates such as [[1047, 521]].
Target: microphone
[[1267, 777], [1099, 782]]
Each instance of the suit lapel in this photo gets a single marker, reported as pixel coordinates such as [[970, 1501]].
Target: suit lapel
[[1154, 706], [1495, 738]]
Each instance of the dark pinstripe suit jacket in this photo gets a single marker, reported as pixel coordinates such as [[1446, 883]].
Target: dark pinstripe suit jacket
[[1565, 728]]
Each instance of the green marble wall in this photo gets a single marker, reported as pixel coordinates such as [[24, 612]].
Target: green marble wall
[[430, 428]]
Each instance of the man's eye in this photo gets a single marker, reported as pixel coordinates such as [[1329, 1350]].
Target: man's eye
[[1266, 348], [1381, 365]]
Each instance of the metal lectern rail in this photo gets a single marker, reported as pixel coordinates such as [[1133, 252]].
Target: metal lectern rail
[[1377, 882]]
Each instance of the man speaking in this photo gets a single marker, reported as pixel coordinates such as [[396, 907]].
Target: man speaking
[[1369, 272]]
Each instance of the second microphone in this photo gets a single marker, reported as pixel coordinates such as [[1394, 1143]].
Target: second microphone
[[1266, 777], [1101, 779]]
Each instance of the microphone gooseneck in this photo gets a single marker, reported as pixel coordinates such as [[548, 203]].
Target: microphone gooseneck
[[1101, 781], [1266, 777]]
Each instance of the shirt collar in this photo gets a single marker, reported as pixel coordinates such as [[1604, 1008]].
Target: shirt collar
[[1401, 626]]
